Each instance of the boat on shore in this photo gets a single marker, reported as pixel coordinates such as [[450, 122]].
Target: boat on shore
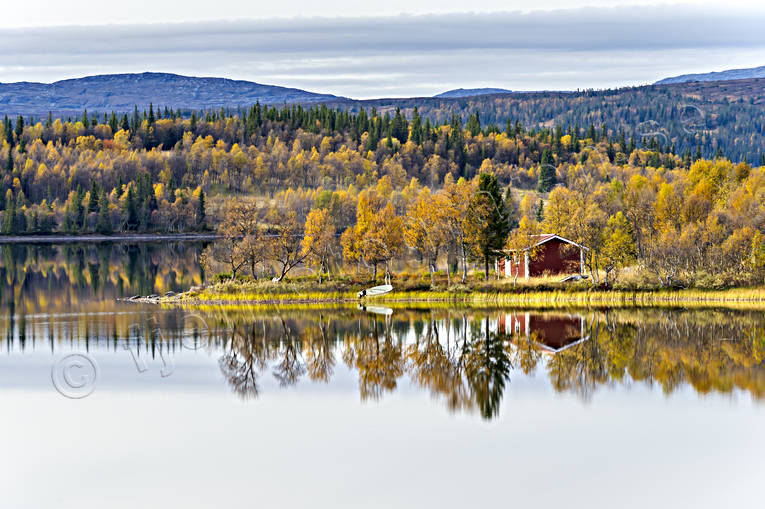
[[374, 291]]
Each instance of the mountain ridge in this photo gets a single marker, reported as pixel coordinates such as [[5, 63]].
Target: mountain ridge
[[470, 92], [122, 92], [726, 75]]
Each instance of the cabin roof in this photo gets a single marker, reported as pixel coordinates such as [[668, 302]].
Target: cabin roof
[[552, 351], [547, 237]]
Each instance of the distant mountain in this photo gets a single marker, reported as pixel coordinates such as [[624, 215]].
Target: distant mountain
[[732, 74], [470, 92], [121, 92]]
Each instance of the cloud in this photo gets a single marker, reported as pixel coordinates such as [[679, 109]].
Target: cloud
[[405, 54]]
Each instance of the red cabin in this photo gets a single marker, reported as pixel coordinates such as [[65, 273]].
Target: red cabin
[[551, 333], [555, 255]]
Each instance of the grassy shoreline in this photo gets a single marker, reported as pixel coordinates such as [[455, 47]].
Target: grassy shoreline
[[58, 238], [484, 295]]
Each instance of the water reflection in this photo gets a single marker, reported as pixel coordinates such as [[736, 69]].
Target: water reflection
[[464, 359], [50, 278], [467, 360], [62, 298]]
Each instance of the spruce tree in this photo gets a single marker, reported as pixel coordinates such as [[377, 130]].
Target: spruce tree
[[131, 209], [512, 207], [9, 217], [201, 215], [104, 220], [77, 210], [474, 124], [372, 137], [135, 120], [8, 128], [399, 127], [546, 172], [416, 134], [113, 123], [491, 220], [19, 127], [21, 222], [93, 202]]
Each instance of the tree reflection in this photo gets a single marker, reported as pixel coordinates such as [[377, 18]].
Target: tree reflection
[[464, 358], [320, 358], [466, 361], [290, 367], [51, 278], [439, 366], [378, 359], [487, 368], [247, 355]]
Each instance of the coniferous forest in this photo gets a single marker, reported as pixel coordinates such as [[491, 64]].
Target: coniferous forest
[[377, 178]]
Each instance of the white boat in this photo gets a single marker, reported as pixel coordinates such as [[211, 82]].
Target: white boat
[[374, 291], [377, 310]]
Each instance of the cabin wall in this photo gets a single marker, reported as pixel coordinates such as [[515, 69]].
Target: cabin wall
[[554, 257], [552, 330], [512, 266]]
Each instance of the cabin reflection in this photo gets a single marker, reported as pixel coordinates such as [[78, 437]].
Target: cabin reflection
[[550, 333]]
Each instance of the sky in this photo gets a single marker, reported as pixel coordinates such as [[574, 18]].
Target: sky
[[384, 49]]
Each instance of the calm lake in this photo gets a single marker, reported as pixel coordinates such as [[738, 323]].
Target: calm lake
[[124, 405]]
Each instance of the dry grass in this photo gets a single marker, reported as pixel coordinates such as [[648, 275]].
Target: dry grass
[[538, 293]]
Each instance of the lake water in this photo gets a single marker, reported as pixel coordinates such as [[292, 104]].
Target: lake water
[[122, 405]]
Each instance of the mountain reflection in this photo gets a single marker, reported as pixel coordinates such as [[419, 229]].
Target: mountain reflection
[[466, 359]]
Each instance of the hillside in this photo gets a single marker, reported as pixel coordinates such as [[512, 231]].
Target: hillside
[[122, 92], [731, 74], [469, 92], [713, 116], [384, 183], [727, 116]]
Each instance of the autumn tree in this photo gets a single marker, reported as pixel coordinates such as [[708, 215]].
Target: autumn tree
[[587, 227], [283, 242], [425, 228], [458, 203], [240, 244], [377, 236], [319, 240], [618, 248], [639, 200], [522, 244]]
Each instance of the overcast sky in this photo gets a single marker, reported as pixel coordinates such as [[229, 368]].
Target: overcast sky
[[391, 48]]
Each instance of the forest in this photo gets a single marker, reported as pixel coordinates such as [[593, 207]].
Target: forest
[[292, 187], [712, 117]]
